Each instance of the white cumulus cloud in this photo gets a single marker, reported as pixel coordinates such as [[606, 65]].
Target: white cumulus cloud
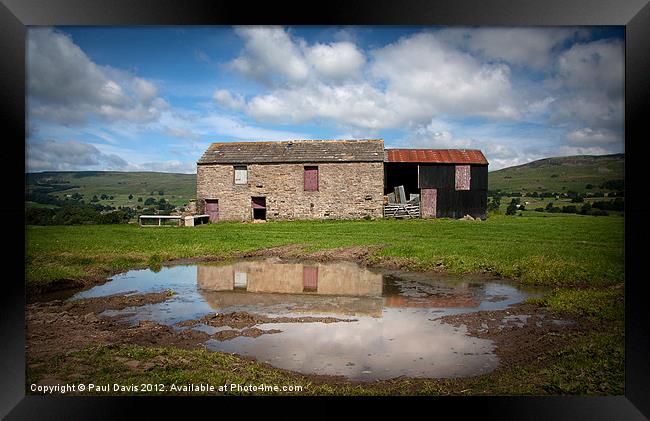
[[64, 85], [529, 47], [53, 155], [228, 99], [434, 78], [270, 52], [406, 83], [337, 61], [588, 136]]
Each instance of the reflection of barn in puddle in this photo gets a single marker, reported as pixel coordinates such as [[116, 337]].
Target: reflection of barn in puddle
[[343, 288], [409, 293]]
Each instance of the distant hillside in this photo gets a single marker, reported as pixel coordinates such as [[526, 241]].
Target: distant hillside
[[562, 174], [176, 188]]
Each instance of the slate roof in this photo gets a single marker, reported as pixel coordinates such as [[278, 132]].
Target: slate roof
[[367, 150], [436, 156]]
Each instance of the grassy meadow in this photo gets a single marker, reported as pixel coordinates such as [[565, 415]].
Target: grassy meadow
[[562, 250]]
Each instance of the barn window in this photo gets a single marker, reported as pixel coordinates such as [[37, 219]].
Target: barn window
[[241, 174], [311, 178], [462, 177]]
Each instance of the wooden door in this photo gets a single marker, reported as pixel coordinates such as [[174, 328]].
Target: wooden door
[[428, 203], [212, 209]]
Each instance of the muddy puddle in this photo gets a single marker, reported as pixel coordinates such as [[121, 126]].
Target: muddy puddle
[[324, 318]]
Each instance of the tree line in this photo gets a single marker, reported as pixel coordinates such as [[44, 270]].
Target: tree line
[[74, 211], [597, 208]]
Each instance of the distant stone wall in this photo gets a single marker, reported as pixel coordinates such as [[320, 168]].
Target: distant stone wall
[[348, 190]]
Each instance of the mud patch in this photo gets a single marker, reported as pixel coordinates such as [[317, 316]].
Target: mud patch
[[359, 254], [114, 302], [63, 327], [226, 335], [191, 260], [242, 319], [287, 251], [522, 332], [355, 253]]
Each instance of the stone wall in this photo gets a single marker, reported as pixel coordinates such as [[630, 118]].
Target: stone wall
[[349, 190]]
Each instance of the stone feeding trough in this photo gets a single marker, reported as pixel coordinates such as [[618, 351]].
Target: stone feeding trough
[[189, 218], [172, 220]]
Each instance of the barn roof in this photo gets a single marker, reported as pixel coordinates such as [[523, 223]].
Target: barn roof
[[367, 150], [436, 156]]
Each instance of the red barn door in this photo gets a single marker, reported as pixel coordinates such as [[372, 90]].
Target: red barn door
[[212, 209], [428, 202]]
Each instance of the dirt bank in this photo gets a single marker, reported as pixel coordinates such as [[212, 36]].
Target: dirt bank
[[241, 320], [59, 327], [521, 332]]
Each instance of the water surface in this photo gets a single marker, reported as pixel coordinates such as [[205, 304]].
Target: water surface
[[396, 331]]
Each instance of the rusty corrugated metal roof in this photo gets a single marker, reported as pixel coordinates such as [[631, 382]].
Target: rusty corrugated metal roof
[[370, 150], [437, 156]]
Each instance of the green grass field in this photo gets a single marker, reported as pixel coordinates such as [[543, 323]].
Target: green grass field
[[560, 250]]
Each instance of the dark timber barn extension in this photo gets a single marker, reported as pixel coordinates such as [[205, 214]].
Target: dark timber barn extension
[[452, 183]]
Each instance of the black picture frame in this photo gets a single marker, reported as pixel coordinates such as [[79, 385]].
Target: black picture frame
[[634, 15]]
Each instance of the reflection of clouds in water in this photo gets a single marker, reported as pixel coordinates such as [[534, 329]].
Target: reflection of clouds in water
[[399, 343], [178, 278]]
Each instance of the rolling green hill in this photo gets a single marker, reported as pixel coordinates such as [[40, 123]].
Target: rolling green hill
[[177, 189], [562, 174]]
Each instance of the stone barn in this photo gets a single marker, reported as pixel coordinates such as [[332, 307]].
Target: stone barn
[[307, 179], [336, 179]]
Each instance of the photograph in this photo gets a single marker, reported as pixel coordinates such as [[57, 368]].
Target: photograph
[[325, 210]]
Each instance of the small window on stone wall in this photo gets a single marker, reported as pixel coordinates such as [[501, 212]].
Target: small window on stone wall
[[241, 174], [311, 178], [463, 175]]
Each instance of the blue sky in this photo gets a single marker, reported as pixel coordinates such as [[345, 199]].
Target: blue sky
[[153, 99]]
